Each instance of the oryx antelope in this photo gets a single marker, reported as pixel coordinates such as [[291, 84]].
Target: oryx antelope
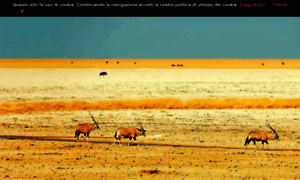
[[262, 136], [86, 129], [130, 133], [103, 73]]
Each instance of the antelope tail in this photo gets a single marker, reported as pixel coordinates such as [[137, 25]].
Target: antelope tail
[[247, 139]]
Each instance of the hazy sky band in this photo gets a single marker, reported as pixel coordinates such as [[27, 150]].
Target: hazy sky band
[[150, 37]]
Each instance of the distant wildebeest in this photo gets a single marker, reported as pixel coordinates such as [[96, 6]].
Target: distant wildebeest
[[263, 64], [282, 63], [262, 136], [85, 129], [106, 62], [173, 64], [134, 62], [130, 133], [103, 73], [118, 62], [72, 62]]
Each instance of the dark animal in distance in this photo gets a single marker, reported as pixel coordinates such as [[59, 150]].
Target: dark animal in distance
[[263, 64], [173, 64], [103, 74], [130, 133], [106, 62], [85, 129], [262, 136], [282, 63]]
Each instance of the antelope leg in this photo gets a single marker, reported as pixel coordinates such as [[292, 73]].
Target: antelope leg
[[136, 141], [255, 144], [129, 141]]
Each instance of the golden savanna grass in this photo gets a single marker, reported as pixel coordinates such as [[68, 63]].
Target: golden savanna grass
[[161, 103]]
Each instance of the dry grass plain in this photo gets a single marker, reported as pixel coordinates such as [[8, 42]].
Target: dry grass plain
[[180, 143]]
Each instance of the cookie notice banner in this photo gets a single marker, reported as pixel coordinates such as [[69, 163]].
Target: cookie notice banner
[[149, 9]]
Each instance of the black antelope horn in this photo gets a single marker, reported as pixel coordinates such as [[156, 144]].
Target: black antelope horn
[[269, 126], [93, 119], [140, 124]]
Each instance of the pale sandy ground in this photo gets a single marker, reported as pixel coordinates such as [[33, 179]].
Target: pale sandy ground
[[219, 134], [86, 84]]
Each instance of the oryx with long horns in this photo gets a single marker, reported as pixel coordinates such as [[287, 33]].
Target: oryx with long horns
[[262, 136], [86, 129], [130, 133]]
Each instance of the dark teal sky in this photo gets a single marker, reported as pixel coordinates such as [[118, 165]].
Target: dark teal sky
[[149, 37]]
